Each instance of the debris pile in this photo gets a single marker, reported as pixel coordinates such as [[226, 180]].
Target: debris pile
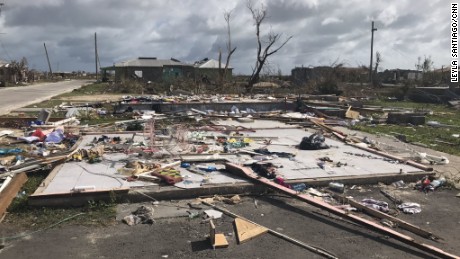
[[183, 146]]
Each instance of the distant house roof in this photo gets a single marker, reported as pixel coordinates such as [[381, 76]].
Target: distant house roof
[[211, 63], [4, 63], [150, 62]]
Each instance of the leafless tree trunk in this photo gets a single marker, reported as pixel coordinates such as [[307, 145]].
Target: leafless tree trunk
[[259, 15], [19, 69], [378, 60], [223, 73]]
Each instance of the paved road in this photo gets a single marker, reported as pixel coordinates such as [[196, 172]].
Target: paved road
[[16, 97]]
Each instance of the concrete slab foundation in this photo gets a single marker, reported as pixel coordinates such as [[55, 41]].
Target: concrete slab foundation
[[349, 165]]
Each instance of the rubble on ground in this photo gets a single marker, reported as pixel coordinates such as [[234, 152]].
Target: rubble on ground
[[191, 151]]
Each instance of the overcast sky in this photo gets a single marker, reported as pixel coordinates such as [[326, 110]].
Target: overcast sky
[[189, 30]]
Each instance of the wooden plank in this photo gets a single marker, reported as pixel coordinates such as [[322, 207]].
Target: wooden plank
[[351, 114], [217, 240], [314, 249], [10, 192], [245, 171], [246, 230], [6, 160], [220, 241], [400, 159], [212, 233], [378, 214]]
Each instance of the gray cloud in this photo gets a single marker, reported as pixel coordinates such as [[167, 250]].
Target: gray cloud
[[323, 31]]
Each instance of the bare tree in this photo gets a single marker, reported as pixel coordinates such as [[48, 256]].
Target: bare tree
[[378, 60], [223, 73], [19, 69], [425, 67], [259, 15]]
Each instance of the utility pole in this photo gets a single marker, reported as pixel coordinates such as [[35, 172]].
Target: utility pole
[[48, 58], [95, 52], [372, 51]]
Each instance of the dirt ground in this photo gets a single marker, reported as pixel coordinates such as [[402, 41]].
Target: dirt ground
[[180, 237]]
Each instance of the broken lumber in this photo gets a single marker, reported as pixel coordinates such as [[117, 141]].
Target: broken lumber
[[10, 191], [402, 160], [249, 173], [314, 249], [343, 137], [217, 240], [246, 230], [378, 214], [351, 114]]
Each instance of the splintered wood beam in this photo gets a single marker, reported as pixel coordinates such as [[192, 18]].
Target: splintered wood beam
[[217, 240], [249, 173], [9, 192], [311, 248], [378, 214]]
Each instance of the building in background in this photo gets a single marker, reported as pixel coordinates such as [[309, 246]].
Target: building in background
[[152, 69], [208, 70]]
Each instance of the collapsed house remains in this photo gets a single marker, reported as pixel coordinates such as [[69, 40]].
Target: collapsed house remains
[[186, 147]]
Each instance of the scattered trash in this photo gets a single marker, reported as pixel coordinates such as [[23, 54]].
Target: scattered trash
[[193, 214], [313, 142], [233, 200], [438, 182], [314, 192], [388, 223], [300, 187], [7, 151], [426, 184], [338, 187], [143, 215], [430, 159], [346, 207], [399, 184], [376, 204], [213, 214], [280, 180], [410, 207], [56, 136]]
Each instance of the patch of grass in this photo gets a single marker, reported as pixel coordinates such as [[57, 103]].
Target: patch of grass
[[430, 136], [22, 215], [408, 104], [46, 104], [91, 89]]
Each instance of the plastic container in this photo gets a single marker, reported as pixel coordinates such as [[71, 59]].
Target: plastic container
[[338, 187], [300, 187], [185, 165], [438, 182]]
